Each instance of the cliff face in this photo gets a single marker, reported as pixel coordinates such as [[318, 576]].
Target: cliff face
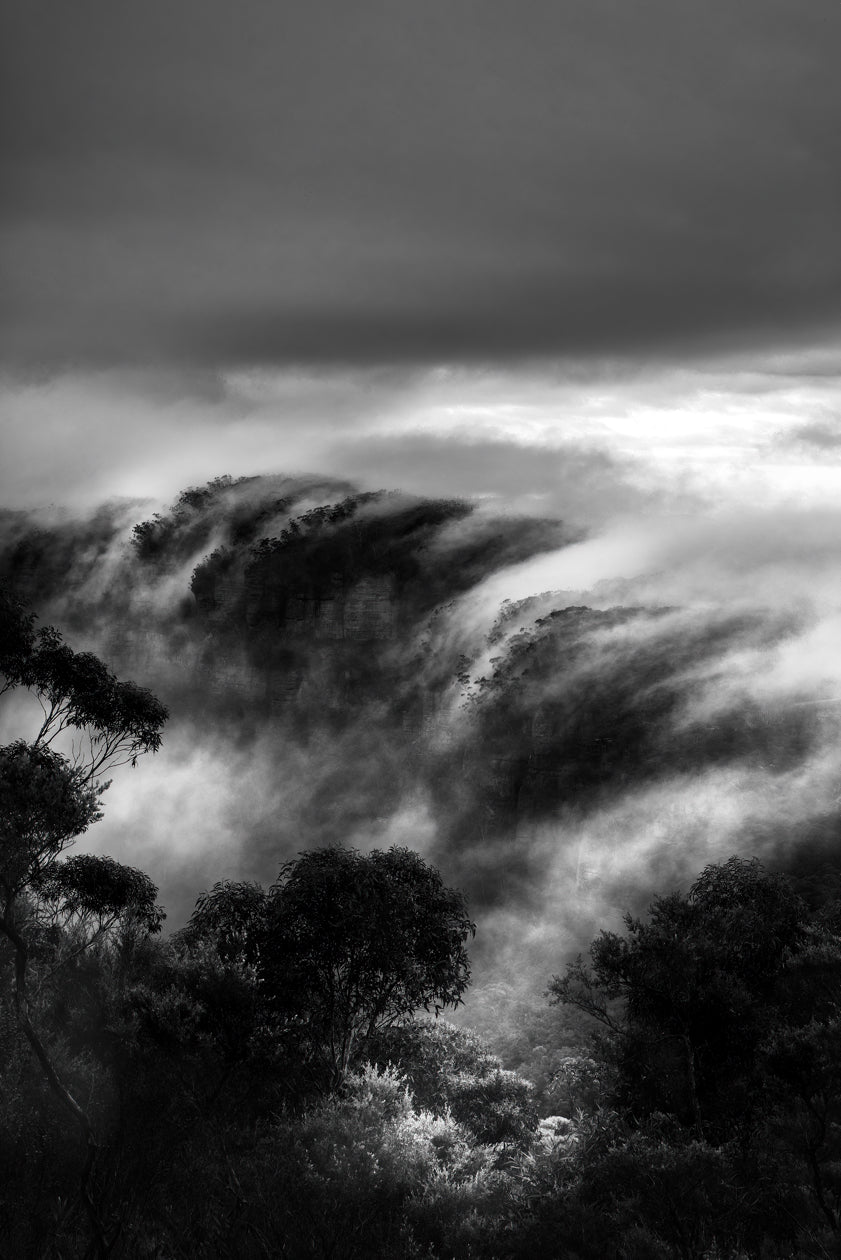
[[330, 610], [584, 708], [361, 611]]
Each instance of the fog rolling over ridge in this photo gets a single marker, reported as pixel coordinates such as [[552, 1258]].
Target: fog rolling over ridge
[[564, 725]]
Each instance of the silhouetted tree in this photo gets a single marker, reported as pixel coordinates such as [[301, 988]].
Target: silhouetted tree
[[690, 994], [48, 798], [343, 944], [721, 1019], [231, 917], [355, 941]]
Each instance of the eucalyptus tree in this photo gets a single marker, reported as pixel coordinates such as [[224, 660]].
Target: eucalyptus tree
[[343, 945], [51, 787]]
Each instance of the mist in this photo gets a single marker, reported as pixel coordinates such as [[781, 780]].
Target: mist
[[566, 720]]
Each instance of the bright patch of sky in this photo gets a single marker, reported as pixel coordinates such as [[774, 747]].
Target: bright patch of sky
[[716, 435]]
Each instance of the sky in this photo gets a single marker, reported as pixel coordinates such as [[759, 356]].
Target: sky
[[576, 256]]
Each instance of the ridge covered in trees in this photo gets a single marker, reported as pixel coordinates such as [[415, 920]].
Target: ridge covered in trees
[[360, 633]]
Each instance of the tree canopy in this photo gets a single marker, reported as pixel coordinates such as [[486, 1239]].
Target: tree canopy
[[115, 722], [690, 993], [45, 803], [92, 894], [345, 943], [50, 793], [722, 1014]]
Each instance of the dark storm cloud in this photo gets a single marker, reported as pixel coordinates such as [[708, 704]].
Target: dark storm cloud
[[210, 183]]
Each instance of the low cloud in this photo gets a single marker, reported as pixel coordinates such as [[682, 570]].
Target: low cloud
[[589, 440], [700, 721]]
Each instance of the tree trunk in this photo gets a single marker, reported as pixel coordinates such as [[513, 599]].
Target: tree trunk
[[62, 1093]]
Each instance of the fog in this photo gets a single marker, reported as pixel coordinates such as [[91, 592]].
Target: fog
[[693, 714]]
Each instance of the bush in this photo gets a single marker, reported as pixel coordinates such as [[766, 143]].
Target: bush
[[362, 1174], [451, 1071]]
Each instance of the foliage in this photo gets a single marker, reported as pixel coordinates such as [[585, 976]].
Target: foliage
[[722, 1013], [689, 995], [47, 799], [186, 526], [45, 803], [231, 917], [706, 1118], [343, 944], [355, 941], [450, 1071], [579, 1083], [649, 1191], [362, 1174], [117, 721], [92, 894], [577, 704], [212, 1143], [341, 540]]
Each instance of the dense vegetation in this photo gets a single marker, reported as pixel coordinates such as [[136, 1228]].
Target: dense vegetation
[[276, 1079]]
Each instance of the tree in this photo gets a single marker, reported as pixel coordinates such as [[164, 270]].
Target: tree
[[111, 722], [232, 918], [49, 797], [88, 898], [344, 943], [355, 941], [722, 1014], [214, 967], [45, 805], [689, 995]]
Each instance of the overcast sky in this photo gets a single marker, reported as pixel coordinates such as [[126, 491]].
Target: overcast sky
[[554, 251]]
